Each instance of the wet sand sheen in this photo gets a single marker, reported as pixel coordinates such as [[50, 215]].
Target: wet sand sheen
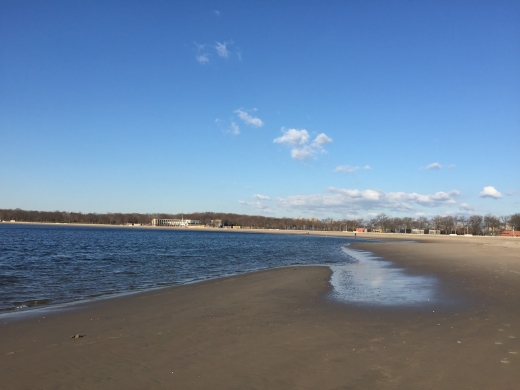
[[277, 329], [368, 280]]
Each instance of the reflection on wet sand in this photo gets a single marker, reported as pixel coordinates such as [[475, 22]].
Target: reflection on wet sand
[[368, 280]]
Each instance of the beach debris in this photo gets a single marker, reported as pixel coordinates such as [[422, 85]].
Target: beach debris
[[505, 360], [458, 342], [77, 336]]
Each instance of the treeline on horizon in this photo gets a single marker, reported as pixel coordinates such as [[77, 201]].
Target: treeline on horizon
[[474, 224]]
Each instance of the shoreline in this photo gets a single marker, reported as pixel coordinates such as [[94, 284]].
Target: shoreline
[[280, 328], [365, 242], [264, 230]]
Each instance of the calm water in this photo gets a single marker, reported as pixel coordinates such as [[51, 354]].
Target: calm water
[[43, 265], [368, 280], [49, 265]]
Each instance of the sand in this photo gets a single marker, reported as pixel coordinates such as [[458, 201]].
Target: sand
[[279, 329]]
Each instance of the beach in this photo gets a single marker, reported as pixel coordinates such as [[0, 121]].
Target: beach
[[280, 329]]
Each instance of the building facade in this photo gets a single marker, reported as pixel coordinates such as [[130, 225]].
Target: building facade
[[175, 222]]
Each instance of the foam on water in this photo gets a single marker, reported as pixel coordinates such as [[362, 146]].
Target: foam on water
[[368, 280]]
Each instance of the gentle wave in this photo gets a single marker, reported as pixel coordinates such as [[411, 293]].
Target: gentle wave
[[50, 265]]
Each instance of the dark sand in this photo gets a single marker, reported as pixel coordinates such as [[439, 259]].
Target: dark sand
[[277, 329]]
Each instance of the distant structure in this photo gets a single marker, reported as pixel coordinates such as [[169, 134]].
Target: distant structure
[[217, 223], [509, 233], [175, 222]]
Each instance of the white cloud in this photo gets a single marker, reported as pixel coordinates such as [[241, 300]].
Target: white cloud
[[322, 139], [302, 153], [222, 49], [341, 200], [293, 137], [465, 208], [451, 166], [248, 119], [216, 12], [490, 192], [203, 59], [346, 169], [434, 165], [234, 129], [261, 197], [299, 141], [228, 127], [258, 206], [349, 169]]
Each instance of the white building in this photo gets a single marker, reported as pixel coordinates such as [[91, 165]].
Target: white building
[[175, 222]]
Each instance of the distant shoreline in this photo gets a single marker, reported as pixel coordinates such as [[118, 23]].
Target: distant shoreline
[[391, 236]]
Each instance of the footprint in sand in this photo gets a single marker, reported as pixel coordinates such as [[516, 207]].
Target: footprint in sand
[[511, 337], [498, 342], [501, 330], [513, 352], [505, 360]]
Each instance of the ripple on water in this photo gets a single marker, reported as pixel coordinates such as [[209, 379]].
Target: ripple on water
[[367, 280]]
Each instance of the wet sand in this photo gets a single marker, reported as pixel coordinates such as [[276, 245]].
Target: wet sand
[[278, 329]]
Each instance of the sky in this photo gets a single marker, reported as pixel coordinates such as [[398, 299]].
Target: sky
[[318, 109]]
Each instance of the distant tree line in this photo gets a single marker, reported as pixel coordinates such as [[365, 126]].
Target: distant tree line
[[474, 224]]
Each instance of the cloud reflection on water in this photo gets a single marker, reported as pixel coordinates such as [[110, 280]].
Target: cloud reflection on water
[[368, 280]]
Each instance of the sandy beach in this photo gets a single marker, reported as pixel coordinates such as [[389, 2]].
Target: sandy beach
[[279, 329]]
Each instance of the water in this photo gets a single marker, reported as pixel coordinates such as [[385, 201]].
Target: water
[[46, 265], [368, 280], [43, 266]]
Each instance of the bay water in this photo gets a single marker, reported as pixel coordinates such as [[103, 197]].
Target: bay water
[[48, 265]]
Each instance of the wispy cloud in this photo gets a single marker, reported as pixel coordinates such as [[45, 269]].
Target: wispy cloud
[[231, 125], [490, 192], [349, 169], [216, 12], [202, 55], [298, 140], [261, 197], [234, 128], [228, 127], [341, 200], [466, 208], [222, 49], [434, 165], [437, 166], [203, 59], [249, 119], [258, 206]]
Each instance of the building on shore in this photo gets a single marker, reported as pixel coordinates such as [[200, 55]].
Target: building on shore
[[509, 233], [175, 222]]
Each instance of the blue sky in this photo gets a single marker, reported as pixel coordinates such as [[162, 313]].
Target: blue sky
[[282, 108]]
